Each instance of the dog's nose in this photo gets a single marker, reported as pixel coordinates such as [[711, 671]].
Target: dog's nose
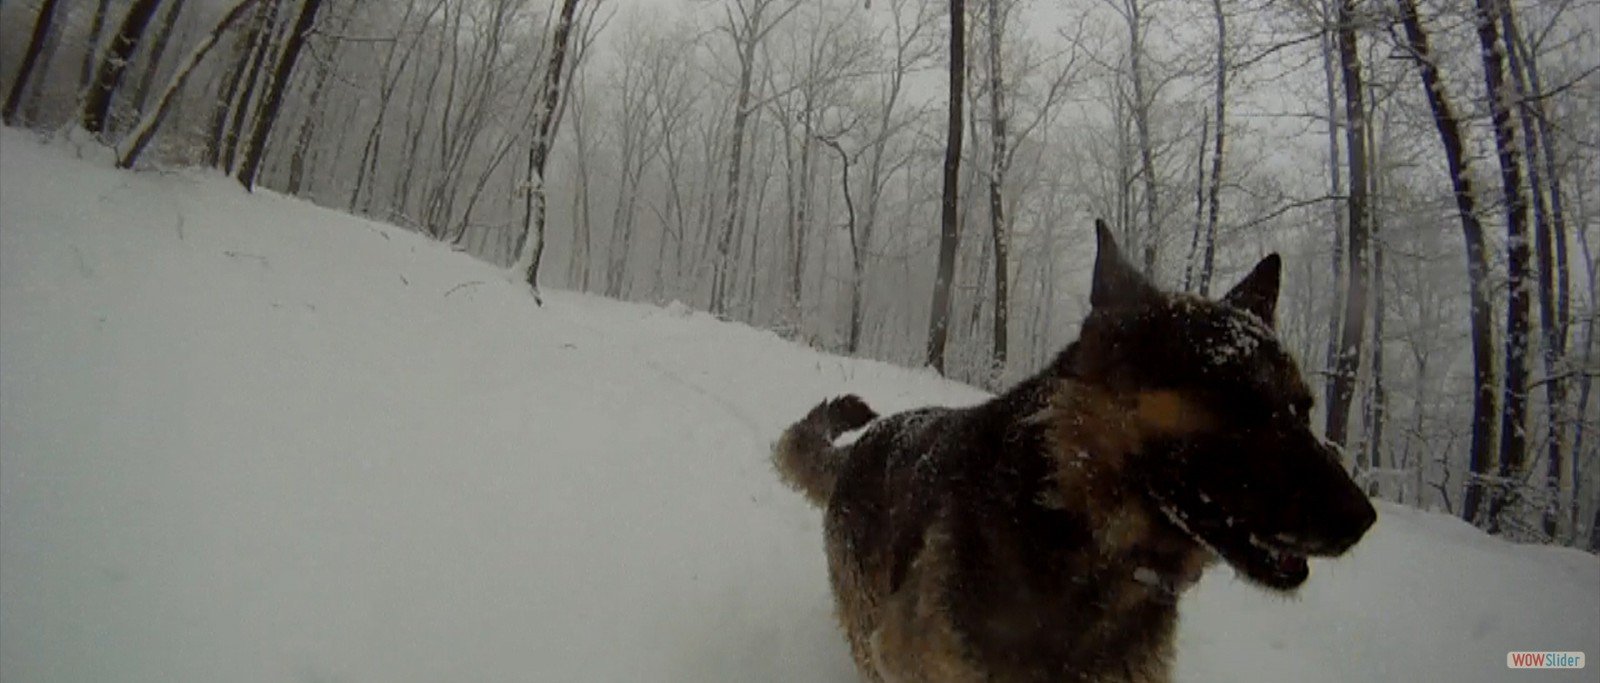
[[1356, 515], [1365, 515]]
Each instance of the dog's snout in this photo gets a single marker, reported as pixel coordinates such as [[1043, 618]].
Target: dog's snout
[[1366, 516], [1349, 519]]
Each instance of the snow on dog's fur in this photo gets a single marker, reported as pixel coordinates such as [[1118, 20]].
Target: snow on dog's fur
[[1048, 533]]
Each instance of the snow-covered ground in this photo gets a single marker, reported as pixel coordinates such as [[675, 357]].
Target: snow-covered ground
[[246, 439]]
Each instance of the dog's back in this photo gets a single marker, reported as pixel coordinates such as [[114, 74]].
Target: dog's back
[[946, 567]]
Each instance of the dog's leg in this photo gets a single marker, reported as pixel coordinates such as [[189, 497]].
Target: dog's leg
[[915, 639]]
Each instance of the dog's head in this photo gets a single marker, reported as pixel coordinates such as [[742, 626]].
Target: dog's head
[[1227, 454]]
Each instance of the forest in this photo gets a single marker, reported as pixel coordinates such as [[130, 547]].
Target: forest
[[916, 181]]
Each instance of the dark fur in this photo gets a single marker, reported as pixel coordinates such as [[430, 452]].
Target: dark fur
[[1046, 534]]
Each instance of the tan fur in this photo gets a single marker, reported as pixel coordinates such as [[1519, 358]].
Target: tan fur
[[913, 639], [1092, 430], [908, 636], [807, 463]]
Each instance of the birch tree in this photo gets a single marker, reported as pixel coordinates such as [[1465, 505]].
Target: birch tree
[[539, 150]]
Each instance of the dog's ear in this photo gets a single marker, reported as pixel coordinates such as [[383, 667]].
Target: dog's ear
[[1116, 282], [1258, 291]]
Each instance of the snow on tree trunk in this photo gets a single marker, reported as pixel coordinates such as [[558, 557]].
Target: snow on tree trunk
[[998, 229], [1514, 397], [257, 149], [1353, 329], [97, 101], [539, 151], [140, 136], [1466, 199]]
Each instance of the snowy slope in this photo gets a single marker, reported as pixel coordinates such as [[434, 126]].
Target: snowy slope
[[246, 439]]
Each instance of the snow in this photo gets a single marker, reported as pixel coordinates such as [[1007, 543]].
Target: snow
[[243, 439]]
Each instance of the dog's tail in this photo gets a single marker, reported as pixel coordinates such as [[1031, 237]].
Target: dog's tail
[[805, 455]]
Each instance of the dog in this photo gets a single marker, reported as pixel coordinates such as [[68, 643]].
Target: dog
[[1047, 534]]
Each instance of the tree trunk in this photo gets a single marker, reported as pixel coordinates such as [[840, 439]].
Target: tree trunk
[[539, 151], [158, 49], [97, 101], [1558, 236], [308, 125], [1206, 264], [1348, 362], [240, 109], [998, 229], [854, 338], [1192, 264], [1141, 122], [939, 317], [36, 42], [746, 37], [274, 99], [91, 45], [1513, 416], [578, 265], [1335, 189], [1377, 399], [1482, 327], [1585, 380], [142, 133], [1551, 327], [366, 168], [41, 73], [228, 89]]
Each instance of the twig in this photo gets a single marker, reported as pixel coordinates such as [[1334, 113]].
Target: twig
[[452, 290], [243, 255]]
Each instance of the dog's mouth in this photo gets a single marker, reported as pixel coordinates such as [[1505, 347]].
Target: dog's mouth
[[1276, 561], [1274, 565]]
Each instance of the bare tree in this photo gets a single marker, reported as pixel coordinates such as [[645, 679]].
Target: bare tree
[[638, 143], [390, 80], [108, 76], [36, 45], [539, 151], [91, 45], [273, 101], [136, 140], [1330, 81], [579, 265], [1137, 22], [1466, 200], [746, 32], [1348, 361], [1213, 194], [998, 230], [239, 108], [909, 51], [158, 49], [1514, 398], [1545, 233], [939, 318]]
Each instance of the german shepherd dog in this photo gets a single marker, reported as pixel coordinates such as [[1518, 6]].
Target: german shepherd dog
[[1047, 534]]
